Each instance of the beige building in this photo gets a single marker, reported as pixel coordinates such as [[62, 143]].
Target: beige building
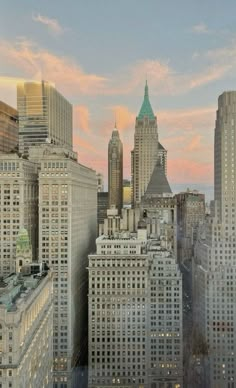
[[214, 270], [145, 153], [67, 231], [9, 129], [18, 207], [135, 314], [115, 171], [26, 313], [45, 116]]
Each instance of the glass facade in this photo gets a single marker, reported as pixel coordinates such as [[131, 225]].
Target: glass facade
[[8, 128], [45, 116]]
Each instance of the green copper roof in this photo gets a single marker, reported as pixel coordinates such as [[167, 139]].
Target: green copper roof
[[22, 240], [146, 109]]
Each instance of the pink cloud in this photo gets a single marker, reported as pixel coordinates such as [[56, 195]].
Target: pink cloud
[[81, 118], [36, 63]]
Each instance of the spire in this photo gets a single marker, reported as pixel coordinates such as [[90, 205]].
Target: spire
[[146, 108], [158, 183]]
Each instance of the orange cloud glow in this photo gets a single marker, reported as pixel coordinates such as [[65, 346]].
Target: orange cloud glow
[[81, 118]]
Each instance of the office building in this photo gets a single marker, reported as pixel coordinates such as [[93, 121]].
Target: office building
[[67, 231], [215, 258], [9, 130], [26, 325], [102, 206], [45, 116], [115, 170], [145, 153], [18, 207], [135, 313], [190, 215]]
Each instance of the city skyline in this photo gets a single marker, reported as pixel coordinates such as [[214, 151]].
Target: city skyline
[[106, 80]]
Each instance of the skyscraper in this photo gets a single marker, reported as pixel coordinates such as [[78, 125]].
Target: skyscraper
[[215, 258], [145, 153], [45, 116], [8, 128], [115, 170], [67, 231], [135, 314]]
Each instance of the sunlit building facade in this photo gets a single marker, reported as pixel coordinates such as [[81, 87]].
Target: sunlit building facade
[[9, 129], [26, 325], [45, 116]]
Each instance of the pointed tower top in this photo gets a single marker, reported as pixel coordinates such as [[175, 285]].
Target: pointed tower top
[[146, 108], [158, 183]]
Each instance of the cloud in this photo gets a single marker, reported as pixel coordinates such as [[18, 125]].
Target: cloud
[[195, 144], [200, 28], [36, 63], [52, 24], [81, 118]]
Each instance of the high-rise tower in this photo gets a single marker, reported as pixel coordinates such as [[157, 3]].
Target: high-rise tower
[[115, 170], [145, 153], [214, 270], [45, 116]]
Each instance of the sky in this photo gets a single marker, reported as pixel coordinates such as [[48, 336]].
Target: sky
[[99, 54]]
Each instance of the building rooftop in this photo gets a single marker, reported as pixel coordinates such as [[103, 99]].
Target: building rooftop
[[17, 287]]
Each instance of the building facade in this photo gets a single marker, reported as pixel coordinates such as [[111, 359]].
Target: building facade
[[18, 207], [26, 314], [190, 215], [9, 128], [145, 153], [215, 257], [135, 314], [67, 231], [115, 171], [100, 182], [45, 116]]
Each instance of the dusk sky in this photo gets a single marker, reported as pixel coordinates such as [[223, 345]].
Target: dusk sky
[[99, 53]]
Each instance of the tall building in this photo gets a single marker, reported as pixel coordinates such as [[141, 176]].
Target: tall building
[[102, 206], [26, 314], [215, 258], [67, 231], [9, 130], [190, 215], [158, 209], [18, 207], [45, 116], [145, 153], [135, 314], [115, 170]]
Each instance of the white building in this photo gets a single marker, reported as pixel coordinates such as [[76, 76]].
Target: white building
[[67, 231], [18, 207], [215, 261], [26, 313], [135, 314]]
